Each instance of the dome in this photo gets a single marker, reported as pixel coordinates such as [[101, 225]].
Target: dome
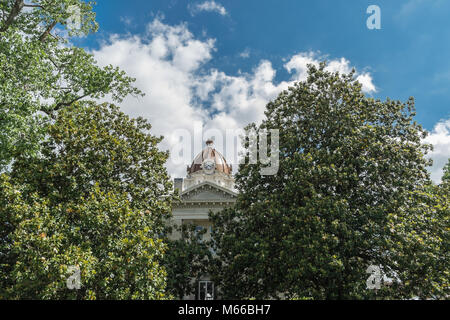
[[209, 153]]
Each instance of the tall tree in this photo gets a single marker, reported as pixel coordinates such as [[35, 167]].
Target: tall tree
[[42, 72], [96, 197], [344, 198]]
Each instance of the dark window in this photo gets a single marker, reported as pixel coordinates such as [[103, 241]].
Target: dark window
[[206, 290]]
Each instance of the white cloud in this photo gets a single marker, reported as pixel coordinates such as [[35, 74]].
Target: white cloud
[[299, 65], [245, 54], [210, 6], [439, 137], [169, 64], [164, 64], [366, 81]]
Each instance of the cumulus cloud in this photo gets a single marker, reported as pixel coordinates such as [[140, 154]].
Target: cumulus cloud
[[299, 65], [182, 93], [439, 137], [164, 64], [210, 6]]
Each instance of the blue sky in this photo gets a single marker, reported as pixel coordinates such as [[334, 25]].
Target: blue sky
[[251, 42]]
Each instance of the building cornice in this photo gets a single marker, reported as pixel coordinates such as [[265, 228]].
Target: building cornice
[[211, 185]]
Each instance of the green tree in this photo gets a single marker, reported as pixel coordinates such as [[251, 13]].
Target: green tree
[[446, 176], [346, 196], [113, 245], [420, 245], [42, 72], [88, 144], [97, 197], [186, 260]]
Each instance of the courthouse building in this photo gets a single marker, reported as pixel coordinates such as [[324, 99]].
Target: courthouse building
[[208, 186]]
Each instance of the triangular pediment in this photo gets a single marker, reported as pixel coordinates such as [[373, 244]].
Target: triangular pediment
[[208, 192]]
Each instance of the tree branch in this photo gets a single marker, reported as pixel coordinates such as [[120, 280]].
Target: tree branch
[[33, 6], [47, 31], [66, 104]]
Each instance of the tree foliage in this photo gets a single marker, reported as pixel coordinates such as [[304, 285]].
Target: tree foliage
[[88, 144], [349, 193], [97, 197], [42, 72], [446, 175]]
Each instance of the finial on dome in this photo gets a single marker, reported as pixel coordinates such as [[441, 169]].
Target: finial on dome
[[209, 142]]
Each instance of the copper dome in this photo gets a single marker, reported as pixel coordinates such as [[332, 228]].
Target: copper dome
[[210, 153]]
